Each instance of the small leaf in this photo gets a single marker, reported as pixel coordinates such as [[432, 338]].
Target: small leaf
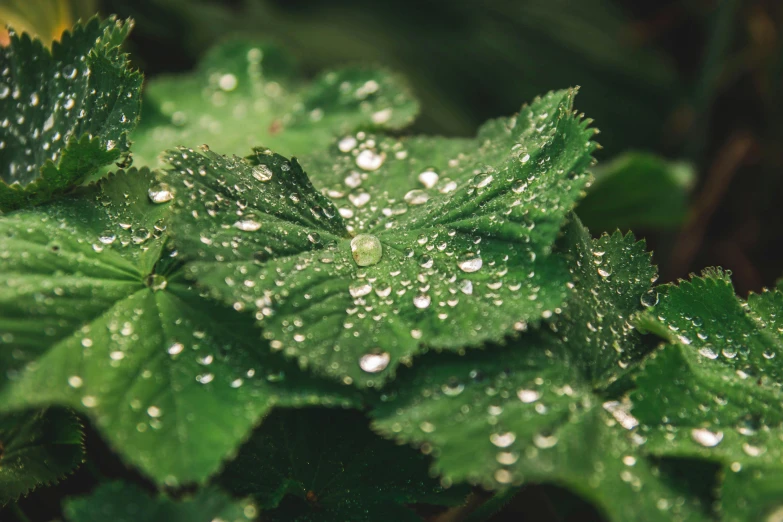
[[407, 262], [612, 280], [96, 314], [345, 472], [637, 190], [64, 112], [120, 502], [714, 392], [244, 95], [37, 447]]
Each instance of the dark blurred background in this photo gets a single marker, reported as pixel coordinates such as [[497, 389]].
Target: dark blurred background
[[693, 81], [697, 81]]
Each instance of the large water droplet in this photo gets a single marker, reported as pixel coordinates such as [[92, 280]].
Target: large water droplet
[[503, 440], [470, 263], [247, 224], [706, 438], [262, 173], [370, 160], [374, 362], [416, 197], [366, 249], [528, 396], [160, 193], [428, 178], [359, 289], [422, 301]]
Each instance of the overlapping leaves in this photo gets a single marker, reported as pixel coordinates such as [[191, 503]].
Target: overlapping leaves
[[530, 411], [64, 113], [97, 315], [464, 244], [244, 94], [714, 391]]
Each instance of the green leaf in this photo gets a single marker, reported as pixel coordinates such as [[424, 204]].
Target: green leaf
[[320, 465], [526, 415], [714, 392], [753, 493], [637, 190], [456, 263], [244, 95], [96, 314], [529, 412], [64, 112], [120, 502], [37, 447], [612, 280]]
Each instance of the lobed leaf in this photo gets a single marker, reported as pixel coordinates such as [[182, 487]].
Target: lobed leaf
[[447, 265], [244, 95], [529, 412], [120, 502], [65, 112], [714, 392], [37, 447], [97, 315]]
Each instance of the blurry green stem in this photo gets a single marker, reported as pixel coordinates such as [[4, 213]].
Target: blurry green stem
[[707, 85], [19, 514]]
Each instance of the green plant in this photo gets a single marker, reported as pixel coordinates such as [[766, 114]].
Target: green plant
[[235, 327]]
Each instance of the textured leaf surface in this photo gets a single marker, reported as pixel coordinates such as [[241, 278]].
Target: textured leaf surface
[[120, 502], [64, 112], [637, 190], [463, 258], [246, 95], [753, 493], [612, 279], [528, 412], [97, 315], [714, 392], [37, 447], [322, 465]]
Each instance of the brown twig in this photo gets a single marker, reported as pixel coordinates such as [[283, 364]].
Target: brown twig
[[719, 177]]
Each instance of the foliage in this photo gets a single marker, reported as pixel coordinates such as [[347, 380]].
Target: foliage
[[227, 324]]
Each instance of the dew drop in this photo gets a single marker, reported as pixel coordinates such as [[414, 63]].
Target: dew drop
[[374, 362], [262, 173], [247, 224], [359, 290], [370, 160], [228, 82], [160, 193], [347, 144], [528, 396], [708, 352], [428, 178], [140, 235], [416, 197], [470, 263], [706, 438], [366, 249], [422, 301], [503, 440]]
